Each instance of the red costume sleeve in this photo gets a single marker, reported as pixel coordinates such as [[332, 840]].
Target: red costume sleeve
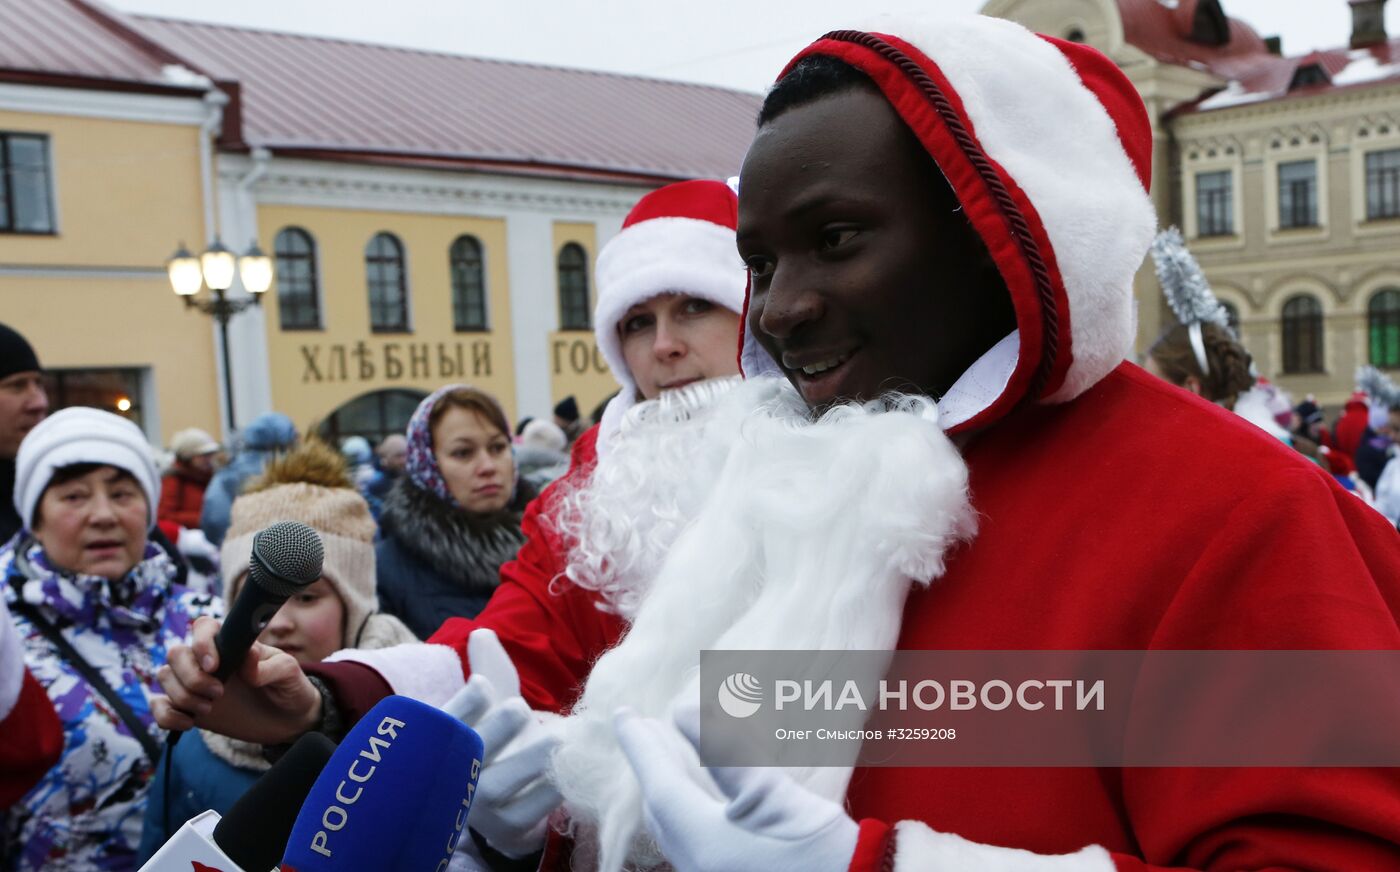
[[33, 740]]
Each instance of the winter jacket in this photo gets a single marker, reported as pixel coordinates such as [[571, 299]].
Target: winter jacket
[[204, 781], [1351, 427], [85, 813], [436, 562], [1374, 452], [182, 496], [268, 434]]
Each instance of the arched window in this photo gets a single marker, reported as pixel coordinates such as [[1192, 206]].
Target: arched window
[[1232, 313], [1302, 334], [373, 415], [1383, 328], [388, 291], [468, 284], [298, 302], [573, 288]]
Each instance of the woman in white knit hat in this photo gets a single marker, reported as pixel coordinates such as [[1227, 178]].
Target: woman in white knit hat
[[341, 610], [96, 609]]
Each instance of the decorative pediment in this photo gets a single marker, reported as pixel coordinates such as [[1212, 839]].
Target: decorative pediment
[[1296, 136], [1212, 148], [1375, 124]]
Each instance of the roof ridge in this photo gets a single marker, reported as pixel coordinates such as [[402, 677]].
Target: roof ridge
[[317, 37], [112, 20]]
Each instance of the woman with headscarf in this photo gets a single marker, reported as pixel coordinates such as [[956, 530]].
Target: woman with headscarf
[[454, 518]]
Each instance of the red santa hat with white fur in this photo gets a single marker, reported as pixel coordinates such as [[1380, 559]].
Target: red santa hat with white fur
[[677, 239]]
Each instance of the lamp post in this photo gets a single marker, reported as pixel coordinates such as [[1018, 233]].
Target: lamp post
[[215, 268]]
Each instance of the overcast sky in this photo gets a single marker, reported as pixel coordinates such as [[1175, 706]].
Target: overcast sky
[[734, 43]]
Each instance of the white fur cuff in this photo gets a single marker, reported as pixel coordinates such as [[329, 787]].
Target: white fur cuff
[[11, 663], [427, 673], [921, 849]]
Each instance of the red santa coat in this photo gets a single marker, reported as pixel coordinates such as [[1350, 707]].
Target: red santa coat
[[1195, 532]]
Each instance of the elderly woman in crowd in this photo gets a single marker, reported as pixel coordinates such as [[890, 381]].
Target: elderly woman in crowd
[[96, 609], [454, 518], [341, 610]]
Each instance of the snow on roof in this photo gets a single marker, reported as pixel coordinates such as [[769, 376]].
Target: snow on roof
[[1233, 95], [1363, 66]]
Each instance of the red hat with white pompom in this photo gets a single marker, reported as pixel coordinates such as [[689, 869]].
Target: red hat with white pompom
[[677, 239]]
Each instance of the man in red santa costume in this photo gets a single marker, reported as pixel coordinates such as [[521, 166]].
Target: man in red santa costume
[[954, 211]]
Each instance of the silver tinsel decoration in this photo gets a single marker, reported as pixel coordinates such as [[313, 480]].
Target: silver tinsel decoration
[[1184, 284], [1378, 386]]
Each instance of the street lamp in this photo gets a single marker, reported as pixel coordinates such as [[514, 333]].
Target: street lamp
[[215, 268]]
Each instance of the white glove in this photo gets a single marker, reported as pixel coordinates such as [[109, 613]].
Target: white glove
[[192, 543], [514, 798], [765, 822]]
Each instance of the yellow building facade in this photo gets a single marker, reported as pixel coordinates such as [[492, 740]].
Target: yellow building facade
[[89, 290], [337, 371]]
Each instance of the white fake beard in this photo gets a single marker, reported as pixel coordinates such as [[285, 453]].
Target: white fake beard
[[811, 537], [643, 492]]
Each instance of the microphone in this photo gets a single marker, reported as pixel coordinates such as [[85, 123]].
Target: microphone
[[287, 557], [255, 830], [395, 796]]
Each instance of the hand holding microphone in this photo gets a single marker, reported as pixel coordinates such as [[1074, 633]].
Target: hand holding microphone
[[226, 681]]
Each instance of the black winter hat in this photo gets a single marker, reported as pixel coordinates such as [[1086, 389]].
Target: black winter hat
[[1308, 412], [16, 354], [567, 409]]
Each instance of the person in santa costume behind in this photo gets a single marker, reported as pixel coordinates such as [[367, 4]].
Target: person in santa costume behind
[[670, 290], [955, 212]]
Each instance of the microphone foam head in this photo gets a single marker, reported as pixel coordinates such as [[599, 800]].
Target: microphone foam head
[[287, 556]]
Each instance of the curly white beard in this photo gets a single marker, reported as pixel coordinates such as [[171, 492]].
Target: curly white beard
[[805, 535], [644, 490]]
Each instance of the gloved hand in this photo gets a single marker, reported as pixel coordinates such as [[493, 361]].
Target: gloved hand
[[766, 821], [513, 799]]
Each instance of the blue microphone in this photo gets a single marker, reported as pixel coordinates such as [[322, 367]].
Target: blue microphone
[[394, 797]]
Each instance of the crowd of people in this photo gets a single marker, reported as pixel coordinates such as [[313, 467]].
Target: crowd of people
[[874, 395]]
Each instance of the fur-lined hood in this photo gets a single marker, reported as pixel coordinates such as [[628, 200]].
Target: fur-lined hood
[[1054, 178], [455, 544]]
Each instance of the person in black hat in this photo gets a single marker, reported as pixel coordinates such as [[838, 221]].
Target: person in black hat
[[567, 417], [23, 403]]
